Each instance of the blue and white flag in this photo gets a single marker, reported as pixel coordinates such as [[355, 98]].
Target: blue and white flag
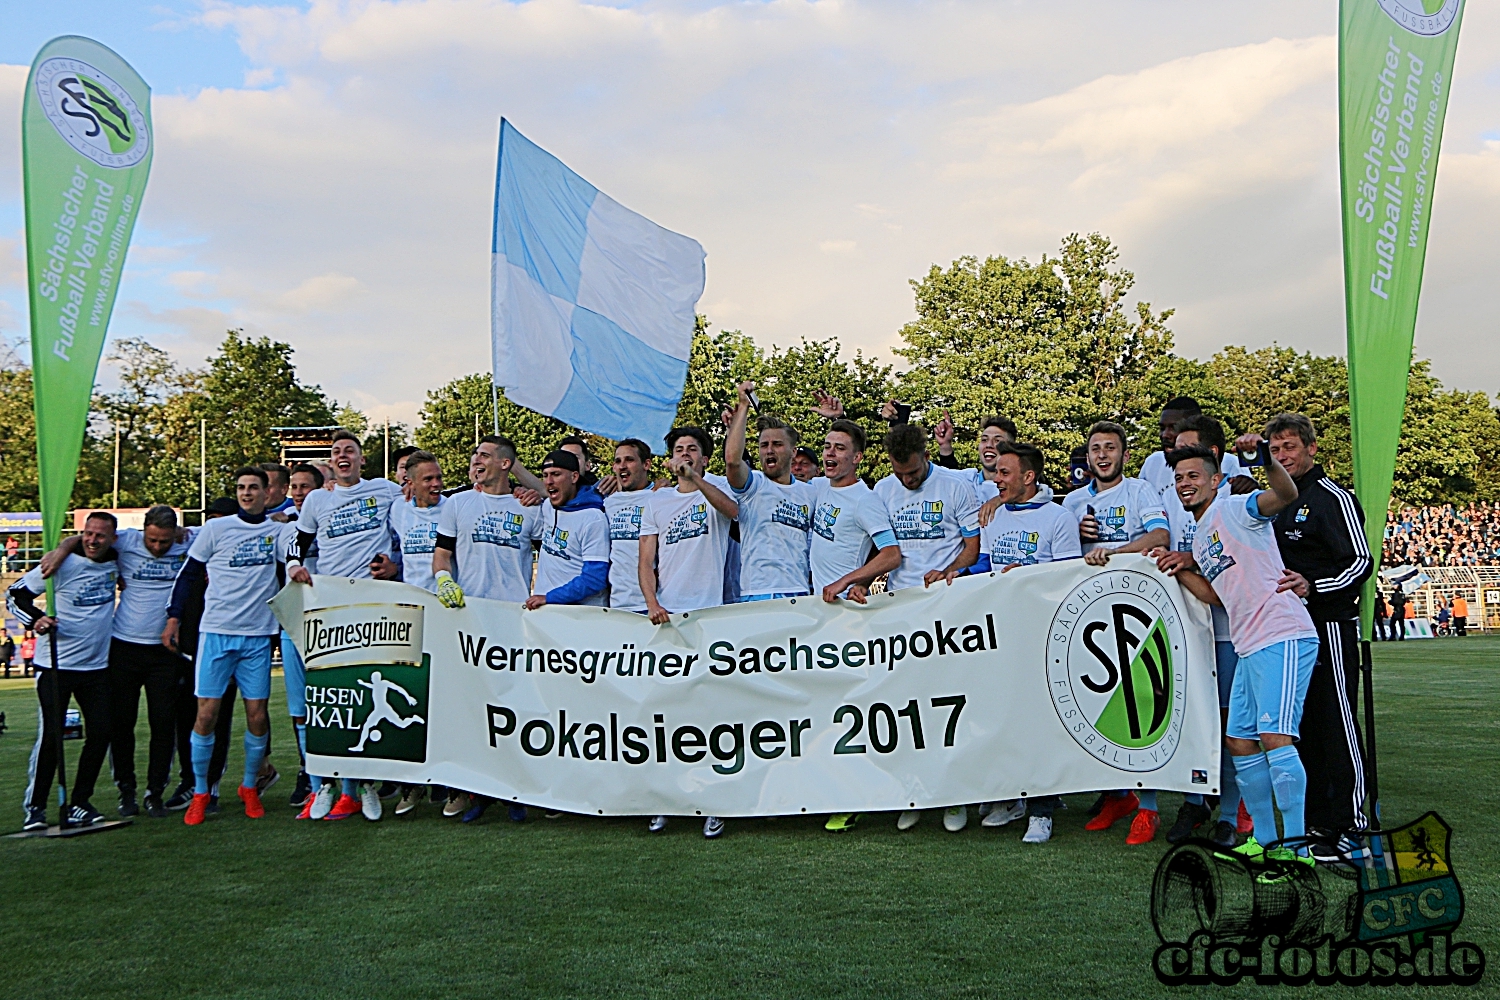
[[593, 305]]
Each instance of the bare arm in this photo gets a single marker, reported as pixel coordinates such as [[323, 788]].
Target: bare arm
[[525, 478], [646, 571], [885, 561], [720, 501], [442, 561], [966, 558], [68, 546], [1194, 583], [1283, 492], [734, 449]]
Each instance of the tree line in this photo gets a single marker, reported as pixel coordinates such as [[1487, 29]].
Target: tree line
[[1051, 344]]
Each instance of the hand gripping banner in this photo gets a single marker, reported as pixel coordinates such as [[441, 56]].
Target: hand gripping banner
[[1048, 679]]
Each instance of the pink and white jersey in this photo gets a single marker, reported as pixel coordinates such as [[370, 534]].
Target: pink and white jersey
[[1236, 551]]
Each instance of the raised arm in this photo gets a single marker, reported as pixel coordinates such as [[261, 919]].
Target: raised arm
[[735, 467], [1283, 492]]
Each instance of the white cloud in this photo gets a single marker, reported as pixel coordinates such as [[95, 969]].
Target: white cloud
[[823, 151]]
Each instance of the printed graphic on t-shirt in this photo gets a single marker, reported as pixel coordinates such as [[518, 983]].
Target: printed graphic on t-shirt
[[354, 517], [1218, 560], [625, 526], [793, 515], [924, 520], [1016, 547], [500, 528], [421, 538], [165, 568], [96, 591], [555, 543], [827, 517], [1112, 525], [254, 552], [690, 523], [1189, 532]]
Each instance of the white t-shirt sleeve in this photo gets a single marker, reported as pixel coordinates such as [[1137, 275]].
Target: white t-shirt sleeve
[[1065, 541], [447, 519], [648, 516], [1153, 510], [968, 511], [752, 486], [875, 519], [596, 538], [33, 581], [1247, 513], [307, 519], [202, 548]]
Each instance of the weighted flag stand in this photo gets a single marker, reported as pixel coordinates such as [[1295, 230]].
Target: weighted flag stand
[[1372, 775]]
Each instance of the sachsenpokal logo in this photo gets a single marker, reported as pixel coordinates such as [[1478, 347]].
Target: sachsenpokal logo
[[1422, 17], [1116, 669], [93, 113]]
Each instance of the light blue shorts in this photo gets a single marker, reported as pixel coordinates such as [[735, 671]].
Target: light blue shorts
[[295, 675], [1270, 686], [1225, 660], [246, 658], [751, 598]]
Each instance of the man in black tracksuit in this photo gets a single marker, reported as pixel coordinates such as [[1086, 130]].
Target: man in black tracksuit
[[1322, 542]]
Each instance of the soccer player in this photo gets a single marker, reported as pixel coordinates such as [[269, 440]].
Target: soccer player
[[852, 543], [351, 527], [84, 596], [624, 507], [1235, 562], [484, 549], [936, 523], [1021, 528], [241, 557], [573, 566], [400, 456], [1155, 469], [993, 431], [684, 540], [1322, 541], [1118, 514], [1204, 431], [775, 510], [279, 481]]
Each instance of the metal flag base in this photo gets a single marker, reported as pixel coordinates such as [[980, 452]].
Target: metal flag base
[[71, 831]]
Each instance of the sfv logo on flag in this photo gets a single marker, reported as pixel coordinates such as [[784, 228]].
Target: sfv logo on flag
[[593, 306]]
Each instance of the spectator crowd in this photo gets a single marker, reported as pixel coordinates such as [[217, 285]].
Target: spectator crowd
[[1443, 536]]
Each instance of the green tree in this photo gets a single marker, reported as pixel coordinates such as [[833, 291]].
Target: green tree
[[1256, 385], [456, 414]]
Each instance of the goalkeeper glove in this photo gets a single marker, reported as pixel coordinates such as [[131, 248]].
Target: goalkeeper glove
[[449, 593]]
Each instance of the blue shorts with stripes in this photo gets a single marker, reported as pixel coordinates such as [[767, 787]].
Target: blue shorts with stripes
[[1269, 688]]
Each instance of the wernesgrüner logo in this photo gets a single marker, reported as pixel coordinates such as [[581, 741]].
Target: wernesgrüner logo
[[1383, 914], [1115, 669], [93, 113], [362, 633]]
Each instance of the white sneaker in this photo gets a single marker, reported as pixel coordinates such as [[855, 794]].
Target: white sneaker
[[657, 824], [985, 807], [1002, 813], [956, 818], [908, 819], [1038, 831], [712, 827], [369, 801], [323, 801]]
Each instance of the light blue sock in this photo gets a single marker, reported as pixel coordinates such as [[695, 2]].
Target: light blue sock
[[351, 788], [1289, 779], [203, 751], [255, 752], [1193, 799], [301, 728], [1254, 777], [1148, 799], [1229, 789]]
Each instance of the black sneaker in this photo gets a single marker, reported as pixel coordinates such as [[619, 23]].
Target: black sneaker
[[153, 805], [181, 798], [83, 815], [1189, 818], [213, 805], [128, 806], [301, 790], [267, 777], [1223, 834], [389, 789], [36, 819], [1098, 805]]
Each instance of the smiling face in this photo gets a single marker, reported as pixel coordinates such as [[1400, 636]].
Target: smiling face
[[1015, 481], [347, 460], [840, 458], [489, 466], [1106, 457], [1195, 485], [1295, 457], [97, 536], [303, 483], [427, 483], [989, 440], [250, 492]]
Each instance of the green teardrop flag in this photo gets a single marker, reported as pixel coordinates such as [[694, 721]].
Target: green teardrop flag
[[86, 144], [1395, 68]]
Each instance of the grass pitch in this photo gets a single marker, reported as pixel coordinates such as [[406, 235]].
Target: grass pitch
[[424, 907]]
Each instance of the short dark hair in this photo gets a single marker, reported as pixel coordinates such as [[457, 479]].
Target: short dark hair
[[705, 441], [580, 442], [345, 434], [771, 423], [1108, 427], [103, 515], [1291, 423], [499, 441], [1210, 460], [162, 516], [1182, 404], [642, 449], [904, 441], [311, 470], [1210, 432], [1029, 455], [1001, 421], [252, 470], [417, 456], [282, 472], [406, 452], [856, 433], [223, 507]]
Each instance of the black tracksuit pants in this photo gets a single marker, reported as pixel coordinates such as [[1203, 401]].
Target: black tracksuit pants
[[133, 666], [90, 688], [1329, 742]]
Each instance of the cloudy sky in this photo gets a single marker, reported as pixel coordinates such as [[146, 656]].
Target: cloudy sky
[[324, 171]]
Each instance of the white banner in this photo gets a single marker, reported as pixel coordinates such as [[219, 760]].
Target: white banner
[[1048, 679]]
